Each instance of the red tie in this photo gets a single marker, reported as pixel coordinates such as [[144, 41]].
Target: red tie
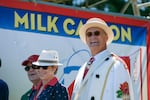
[[88, 66]]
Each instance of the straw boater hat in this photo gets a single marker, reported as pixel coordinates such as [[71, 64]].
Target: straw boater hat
[[96, 22], [48, 58]]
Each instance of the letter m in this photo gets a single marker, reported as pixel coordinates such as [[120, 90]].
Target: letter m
[[21, 21]]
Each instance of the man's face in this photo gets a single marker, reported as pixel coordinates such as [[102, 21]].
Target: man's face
[[96, 39], [32, 74]]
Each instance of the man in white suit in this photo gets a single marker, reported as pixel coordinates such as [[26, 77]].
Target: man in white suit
[[107, 76]]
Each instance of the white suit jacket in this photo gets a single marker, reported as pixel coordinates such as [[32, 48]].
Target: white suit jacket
[[103, 79]]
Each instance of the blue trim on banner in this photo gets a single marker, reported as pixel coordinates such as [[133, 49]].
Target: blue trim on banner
[[52, 24]]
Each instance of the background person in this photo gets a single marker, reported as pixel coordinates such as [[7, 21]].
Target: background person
[[107, 76], [32, 75], [4, 91], [49, 87]]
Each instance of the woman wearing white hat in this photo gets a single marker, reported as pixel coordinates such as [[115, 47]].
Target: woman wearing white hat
[[107, 76], [49, 87]]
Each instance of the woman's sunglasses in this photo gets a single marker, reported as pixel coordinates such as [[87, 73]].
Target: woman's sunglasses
[[38, 67]]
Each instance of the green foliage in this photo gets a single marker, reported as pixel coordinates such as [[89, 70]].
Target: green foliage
[[108, 6]]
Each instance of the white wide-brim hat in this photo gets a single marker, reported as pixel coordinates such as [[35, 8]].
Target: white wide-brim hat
[[96, 22], [48, 58]]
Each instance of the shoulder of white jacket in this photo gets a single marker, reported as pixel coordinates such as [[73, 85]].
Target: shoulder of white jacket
[[116, 57]]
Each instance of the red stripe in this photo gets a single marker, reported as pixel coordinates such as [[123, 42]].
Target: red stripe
[[74, 12], [141, 74], [148, 62]]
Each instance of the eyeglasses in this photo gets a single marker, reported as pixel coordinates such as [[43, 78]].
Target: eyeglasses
[[96, 33], [38, 67], [27, 68]]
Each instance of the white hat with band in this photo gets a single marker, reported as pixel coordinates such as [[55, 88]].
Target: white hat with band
[[96, 22], [48, 58]]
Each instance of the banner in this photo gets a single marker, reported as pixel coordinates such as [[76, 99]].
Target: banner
[[27, 30]]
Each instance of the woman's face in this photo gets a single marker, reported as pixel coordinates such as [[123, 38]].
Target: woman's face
[[46, 72]]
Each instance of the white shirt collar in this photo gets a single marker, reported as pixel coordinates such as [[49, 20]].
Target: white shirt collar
[[102, 54]]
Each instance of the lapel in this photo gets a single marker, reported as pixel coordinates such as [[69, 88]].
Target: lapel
[[93, 67], [80, 77], [78, 81]]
